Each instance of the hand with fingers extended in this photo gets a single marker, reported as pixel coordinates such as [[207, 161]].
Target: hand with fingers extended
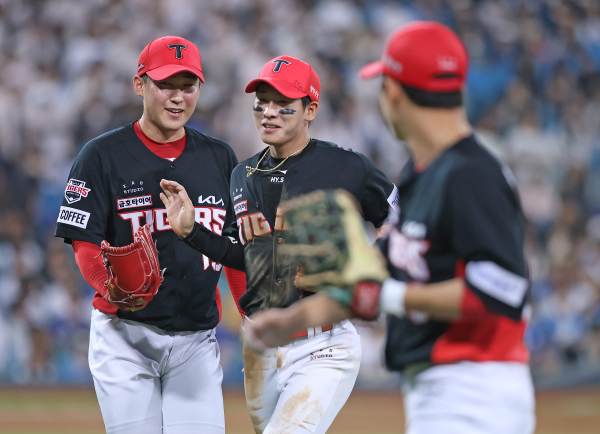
[[180, 209]]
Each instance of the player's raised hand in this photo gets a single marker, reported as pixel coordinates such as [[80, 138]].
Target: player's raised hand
[[180, 209]]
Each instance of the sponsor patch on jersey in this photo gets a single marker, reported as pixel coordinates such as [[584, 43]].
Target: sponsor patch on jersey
[[414, 229], [495, 281], [73, 217], [240, 207], [211, 200], [76, 190], [133, 202], [408, 254], [394, 198]]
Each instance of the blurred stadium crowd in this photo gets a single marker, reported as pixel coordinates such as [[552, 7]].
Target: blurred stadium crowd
[[66, 77]]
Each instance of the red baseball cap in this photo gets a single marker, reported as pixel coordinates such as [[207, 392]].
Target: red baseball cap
[[424, 54], [169, 55], [290, 76]]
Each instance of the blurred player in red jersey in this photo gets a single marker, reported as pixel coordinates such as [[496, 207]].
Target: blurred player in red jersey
[[457, 296]]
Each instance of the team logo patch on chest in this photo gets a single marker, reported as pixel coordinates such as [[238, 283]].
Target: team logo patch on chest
[[76, 190]]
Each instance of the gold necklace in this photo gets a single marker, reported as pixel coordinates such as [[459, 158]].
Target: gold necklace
[[252, 170]]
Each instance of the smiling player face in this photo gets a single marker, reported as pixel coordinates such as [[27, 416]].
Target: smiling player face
[[169, 103], [280, 119]]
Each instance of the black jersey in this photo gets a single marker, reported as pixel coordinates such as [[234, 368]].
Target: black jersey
[[113, 188], [460, 217], [270, 277], [271, 180]]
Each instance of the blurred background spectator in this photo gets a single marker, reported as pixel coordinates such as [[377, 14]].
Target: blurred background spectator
[[66, 69]]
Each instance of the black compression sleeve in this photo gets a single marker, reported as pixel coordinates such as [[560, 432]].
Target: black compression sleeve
[[220, 249]]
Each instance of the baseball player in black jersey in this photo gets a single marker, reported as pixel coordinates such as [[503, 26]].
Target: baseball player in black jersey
[[300, 386], [456, 286], [156, 369]]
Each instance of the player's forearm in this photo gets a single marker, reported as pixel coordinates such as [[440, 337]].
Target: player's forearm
[[237, 286], [216, 247], [317, 310], [441, 301], [89, 261]]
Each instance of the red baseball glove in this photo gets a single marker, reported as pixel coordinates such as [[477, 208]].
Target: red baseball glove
[[134, 274]]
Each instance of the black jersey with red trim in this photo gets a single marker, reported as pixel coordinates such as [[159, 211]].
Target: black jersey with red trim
[[322, 165], [460, 216], [113, 188]]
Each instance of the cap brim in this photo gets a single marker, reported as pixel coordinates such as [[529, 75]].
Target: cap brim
[[371, 70], [281, 86], [165, 71]]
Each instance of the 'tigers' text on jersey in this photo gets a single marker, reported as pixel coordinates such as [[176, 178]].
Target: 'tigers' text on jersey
[[212, 218]]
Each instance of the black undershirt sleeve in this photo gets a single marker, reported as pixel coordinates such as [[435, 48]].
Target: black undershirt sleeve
[[218, 248]]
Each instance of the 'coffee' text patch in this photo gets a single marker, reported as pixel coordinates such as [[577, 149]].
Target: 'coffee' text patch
[[73, 217]]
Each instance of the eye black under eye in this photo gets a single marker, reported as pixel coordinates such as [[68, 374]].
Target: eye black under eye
[[257, 108], [287, 111]]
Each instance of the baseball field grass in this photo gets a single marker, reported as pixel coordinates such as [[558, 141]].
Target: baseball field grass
[[75, 411]]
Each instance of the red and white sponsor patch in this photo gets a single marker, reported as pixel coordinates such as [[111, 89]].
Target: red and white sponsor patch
[[133, 202], [240, 207], [76, 190]]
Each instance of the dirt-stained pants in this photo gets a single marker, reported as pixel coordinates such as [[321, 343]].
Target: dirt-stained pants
[[299, 388]]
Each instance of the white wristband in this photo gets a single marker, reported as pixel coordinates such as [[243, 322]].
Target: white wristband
[[391, 300]]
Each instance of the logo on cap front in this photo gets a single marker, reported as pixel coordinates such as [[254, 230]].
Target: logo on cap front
[[278, 63], [447, 63], [178, 47]]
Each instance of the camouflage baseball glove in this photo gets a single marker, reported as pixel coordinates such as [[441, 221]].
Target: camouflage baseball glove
[[326, 237], [134, 274]]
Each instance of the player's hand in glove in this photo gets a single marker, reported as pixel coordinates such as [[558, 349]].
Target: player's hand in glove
[[134, 274], [325, 234], [180, 209]]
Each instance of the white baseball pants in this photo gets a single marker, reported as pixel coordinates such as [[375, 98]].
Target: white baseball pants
[[300, 388], [470, 398], [149, 381]]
